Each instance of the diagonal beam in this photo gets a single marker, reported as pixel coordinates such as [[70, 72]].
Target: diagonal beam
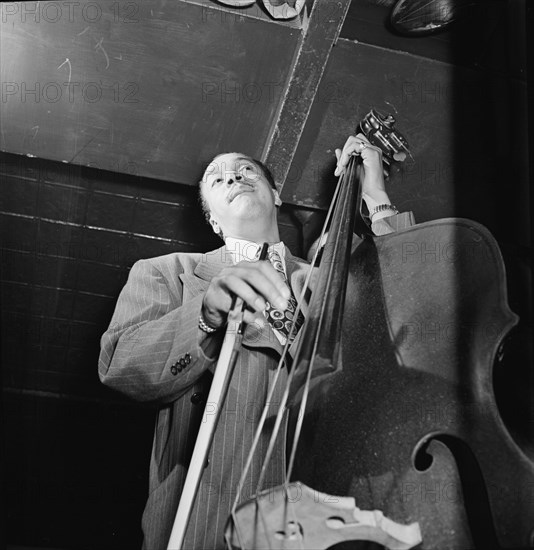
[[320, 35]]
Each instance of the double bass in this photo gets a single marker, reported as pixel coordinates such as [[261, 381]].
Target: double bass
[[425, 313], [395, 436]]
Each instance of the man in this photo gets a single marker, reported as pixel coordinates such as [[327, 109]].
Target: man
[[165, 335]]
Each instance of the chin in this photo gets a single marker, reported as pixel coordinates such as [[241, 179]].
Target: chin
[[246, 205]]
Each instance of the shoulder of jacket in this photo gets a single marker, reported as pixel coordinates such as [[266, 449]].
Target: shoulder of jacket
[[171, 264]]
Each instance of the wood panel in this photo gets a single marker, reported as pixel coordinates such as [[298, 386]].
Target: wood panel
[[153, 88], [451, 117]]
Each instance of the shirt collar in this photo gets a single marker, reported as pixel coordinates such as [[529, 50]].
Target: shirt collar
[[241, 249]]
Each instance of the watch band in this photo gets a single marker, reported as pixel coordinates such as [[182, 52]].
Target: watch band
[[382, 208], [204, 326]]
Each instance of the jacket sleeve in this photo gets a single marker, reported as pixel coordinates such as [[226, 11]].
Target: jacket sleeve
[[393, 223], [152, 348]]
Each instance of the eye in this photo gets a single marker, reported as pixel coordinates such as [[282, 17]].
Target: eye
[[248, 170], [217, 180]]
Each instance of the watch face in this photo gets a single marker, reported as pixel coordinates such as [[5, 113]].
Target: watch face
[[421, 17]]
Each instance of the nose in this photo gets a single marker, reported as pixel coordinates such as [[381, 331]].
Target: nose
[[232, 177]]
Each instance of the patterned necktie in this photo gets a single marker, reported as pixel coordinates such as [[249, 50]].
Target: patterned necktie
[[282, 320]]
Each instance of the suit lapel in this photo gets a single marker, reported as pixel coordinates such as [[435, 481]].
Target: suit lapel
[[211, 263], [197, 280]]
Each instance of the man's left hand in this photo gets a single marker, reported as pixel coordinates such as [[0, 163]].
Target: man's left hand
[[372, 173]]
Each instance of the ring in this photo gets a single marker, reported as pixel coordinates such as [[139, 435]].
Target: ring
[[363, 145]]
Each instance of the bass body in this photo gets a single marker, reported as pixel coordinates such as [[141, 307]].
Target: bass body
[[406, 421]]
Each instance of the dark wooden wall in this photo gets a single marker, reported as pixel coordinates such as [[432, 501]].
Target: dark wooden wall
[[76, 454]]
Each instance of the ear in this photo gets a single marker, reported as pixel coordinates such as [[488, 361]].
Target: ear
[[277, 199], [215, 226]]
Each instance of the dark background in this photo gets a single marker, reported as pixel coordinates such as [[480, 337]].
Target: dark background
[[75, 455]]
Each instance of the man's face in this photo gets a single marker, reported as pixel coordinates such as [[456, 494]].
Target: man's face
[[236, 191]]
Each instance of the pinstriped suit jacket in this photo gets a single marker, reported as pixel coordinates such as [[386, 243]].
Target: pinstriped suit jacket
[[155, 324]]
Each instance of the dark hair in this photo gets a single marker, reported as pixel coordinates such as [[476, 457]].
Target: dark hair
[[266, 172]]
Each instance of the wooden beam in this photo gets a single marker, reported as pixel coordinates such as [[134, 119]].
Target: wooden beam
[[319, 36]]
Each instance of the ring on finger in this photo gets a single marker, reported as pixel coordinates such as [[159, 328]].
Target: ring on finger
[[363, 145]]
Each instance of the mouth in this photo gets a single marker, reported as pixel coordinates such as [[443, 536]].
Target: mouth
[[239, 190]]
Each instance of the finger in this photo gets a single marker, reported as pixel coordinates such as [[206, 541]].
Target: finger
[[269, 283], [362, 144], [343, 156], [338, 169], [267, 270], [371, 154], [256, 283], [369, 148], [342, 160], [236, 286], [352, 146]]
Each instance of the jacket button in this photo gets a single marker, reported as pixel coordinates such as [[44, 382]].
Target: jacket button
[[197, 398], [187, 359], [182, 362], [179, 368], [174, 370]]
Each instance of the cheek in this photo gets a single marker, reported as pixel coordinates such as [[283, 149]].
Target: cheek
[[217, 206], [210, 197]]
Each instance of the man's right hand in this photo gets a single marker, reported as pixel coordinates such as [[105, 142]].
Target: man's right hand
[[253, 282]]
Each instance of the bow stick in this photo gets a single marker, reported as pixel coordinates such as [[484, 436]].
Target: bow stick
[[218, 391]]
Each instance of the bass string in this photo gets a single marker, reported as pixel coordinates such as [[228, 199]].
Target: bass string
[[346, 178], [281, 410], [257, 436], [285, 398]]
